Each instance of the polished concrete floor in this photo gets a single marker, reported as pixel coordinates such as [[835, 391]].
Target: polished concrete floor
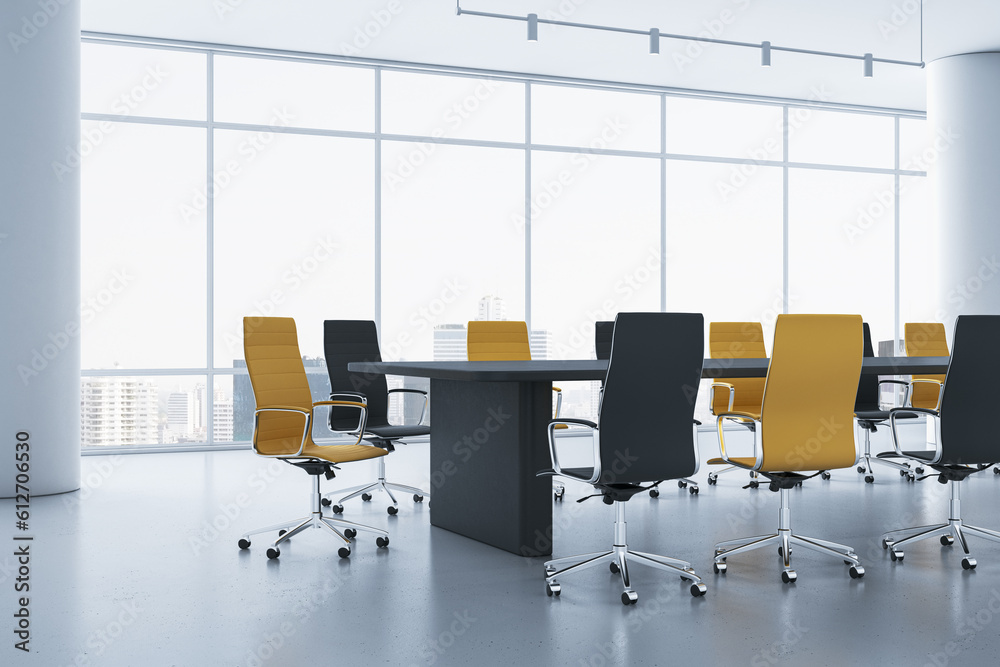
[[140, 567]]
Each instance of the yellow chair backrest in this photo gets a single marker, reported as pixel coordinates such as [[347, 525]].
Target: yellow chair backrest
[[807, 415], [925, 339], [498, 340], [737, 340], [278, 378]]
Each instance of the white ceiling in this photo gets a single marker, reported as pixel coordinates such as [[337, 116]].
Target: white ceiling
[[429, 31]]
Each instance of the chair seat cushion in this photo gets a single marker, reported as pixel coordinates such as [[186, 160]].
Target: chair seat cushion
[[881, 415], [742, 461], [342, 453], [393, 432], [923, 455]]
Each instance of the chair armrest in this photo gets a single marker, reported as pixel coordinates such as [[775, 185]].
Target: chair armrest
[[722, 385], [349, 396], [404, 390], [928, 381], [740, 417], [558, 399], [307, 419], [898, 412], [904, 383], [597, 445], [355, 400]]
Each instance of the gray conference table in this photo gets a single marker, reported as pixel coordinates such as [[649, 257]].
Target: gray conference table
[[488, 437]]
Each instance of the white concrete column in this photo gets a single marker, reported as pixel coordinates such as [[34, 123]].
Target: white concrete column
[[39, 243], [963, 107]]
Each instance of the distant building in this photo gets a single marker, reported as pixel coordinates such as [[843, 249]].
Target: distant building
[[118, 411], [450, 342], [222, 417], [492, 308], [180, 414], [243, 402]]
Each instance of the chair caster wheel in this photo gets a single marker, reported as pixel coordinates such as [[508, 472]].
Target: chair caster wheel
[[781, 552], [693, 490], [825, 475], [344, 552], [869, 479], [366, 497], [338, 509], [911, 478], [904, 473], [273, 552], [947, 540], [282, 532], [862, 470], [244, 543], [382, 542], [789, 576], [557, 497], [350, 533], [886, 543], [857, 572], [655, 493], [712, 479], [697, 590], [326, 502], [629, 597], [681, 484], [392, 510], [996, 471], [754, 484], [614, 568], [553, 589], [919, 470], [417, 498], [719, 568], [896, 554], [969, 563]]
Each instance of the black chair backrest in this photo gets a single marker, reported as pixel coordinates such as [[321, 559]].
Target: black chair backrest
[[867, 399], [646, 417], [603, 332], [967, 432], [346, 341]]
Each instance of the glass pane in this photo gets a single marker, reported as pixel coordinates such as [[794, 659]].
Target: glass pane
[[294, 94], [128, 411], [840, 246], [452, 106], [142, 252], [723, 129], [836, 137], [916, 151], [724, 248], [601, 119], [451, 238], [134, 81], [918, 255], [294, 234]]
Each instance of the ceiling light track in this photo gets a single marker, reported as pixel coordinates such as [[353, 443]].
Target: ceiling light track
[[655, 35]]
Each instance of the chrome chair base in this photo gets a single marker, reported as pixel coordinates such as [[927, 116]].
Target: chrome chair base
[[785, 539], [378, 485], [289, 529], [618, 559], [953, 531], [867, 460]]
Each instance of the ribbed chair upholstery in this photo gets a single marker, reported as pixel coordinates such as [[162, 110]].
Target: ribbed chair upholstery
[[283, 420], [966, 440], [646, 419], [804, 424], [345, 342], [925, 339], [736, 340]]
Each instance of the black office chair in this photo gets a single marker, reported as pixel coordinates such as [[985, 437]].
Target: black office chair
[[966, 436], [346, 341], [869, 413], [603, 335], [644, 432]]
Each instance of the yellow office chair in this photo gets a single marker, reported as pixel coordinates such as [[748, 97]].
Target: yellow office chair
[[925, 339], [808, 407], [283, 421], [736, 340], [502, 340]]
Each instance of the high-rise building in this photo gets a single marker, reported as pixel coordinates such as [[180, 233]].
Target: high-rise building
[[492, 308], [540, 342], [222, 417], [180, 414], [118, 411], [450, 342]]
